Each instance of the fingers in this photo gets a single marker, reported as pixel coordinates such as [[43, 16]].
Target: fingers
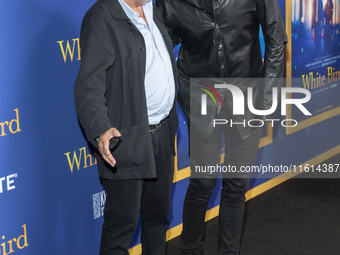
[[104, 145], [109, 159], [116, 133]]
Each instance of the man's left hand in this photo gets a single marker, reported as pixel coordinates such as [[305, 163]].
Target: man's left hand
[[104, 145]]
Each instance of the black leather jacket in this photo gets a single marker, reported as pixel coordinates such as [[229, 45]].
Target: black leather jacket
[[225, 43]]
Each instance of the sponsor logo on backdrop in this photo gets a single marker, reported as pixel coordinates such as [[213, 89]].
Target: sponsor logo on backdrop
[[11, 245], [69, 49], [7, 183], [80, 159], [99, 200], [10, 126]]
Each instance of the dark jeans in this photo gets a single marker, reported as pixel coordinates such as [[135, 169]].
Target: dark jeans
[[238, 152], [125, 198]]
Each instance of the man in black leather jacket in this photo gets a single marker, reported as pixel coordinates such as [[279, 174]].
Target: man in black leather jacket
[[220, 39]]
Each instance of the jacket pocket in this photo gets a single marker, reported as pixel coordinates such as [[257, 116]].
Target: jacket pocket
[[130, 150]]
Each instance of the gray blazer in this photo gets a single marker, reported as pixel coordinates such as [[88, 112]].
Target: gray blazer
[[109, 89]]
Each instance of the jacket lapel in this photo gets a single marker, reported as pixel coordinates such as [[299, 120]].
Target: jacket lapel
[[116, 9]]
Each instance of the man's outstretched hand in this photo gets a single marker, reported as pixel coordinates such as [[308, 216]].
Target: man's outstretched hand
[[104, 144]]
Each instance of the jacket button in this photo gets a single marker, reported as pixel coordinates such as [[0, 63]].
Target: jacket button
[[140, 49]]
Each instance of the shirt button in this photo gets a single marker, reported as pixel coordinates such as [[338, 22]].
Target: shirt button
[[222, 66], [217, 26], [220, 46]]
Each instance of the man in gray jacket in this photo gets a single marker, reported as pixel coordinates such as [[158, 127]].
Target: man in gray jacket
[[125, 101]]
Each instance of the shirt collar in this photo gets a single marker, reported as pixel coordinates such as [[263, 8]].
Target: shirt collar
[[132, 15]]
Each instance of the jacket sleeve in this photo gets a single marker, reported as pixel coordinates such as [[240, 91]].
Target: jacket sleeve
[[174, 37], [97, 55], [269, 16]]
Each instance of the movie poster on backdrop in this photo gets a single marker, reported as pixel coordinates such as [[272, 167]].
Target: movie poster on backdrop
[[315, 55]]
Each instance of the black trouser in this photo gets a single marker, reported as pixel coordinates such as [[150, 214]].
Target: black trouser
[[125, 198], [238, 152]]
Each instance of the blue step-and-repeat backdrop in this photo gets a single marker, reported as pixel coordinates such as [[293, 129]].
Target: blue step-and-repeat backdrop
[[51, 200]]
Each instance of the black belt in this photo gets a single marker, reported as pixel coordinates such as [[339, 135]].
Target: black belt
[[156, 126]]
